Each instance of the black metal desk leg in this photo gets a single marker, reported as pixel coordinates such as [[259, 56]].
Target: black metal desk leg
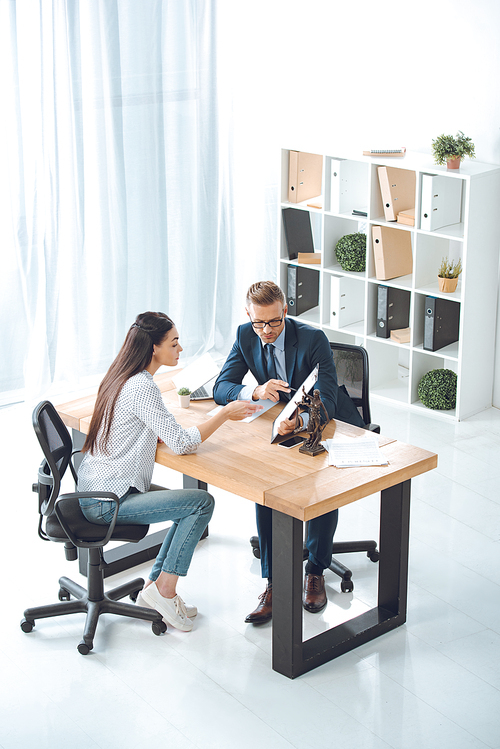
[[287, 594], [292, 656], [394, 545]]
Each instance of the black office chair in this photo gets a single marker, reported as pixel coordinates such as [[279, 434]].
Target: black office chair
[[351, 363], [65, 523]]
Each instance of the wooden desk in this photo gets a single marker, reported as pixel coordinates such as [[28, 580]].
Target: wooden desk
[[240, 458]]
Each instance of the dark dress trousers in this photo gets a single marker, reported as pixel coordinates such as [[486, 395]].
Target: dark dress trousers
[[305, 347]]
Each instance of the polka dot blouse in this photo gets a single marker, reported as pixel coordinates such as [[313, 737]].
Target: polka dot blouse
[[140, 417]]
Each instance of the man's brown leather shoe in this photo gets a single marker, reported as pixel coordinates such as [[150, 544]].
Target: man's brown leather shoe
[[314, 598], [264, 611]]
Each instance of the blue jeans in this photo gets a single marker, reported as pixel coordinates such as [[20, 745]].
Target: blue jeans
[[189, 509]]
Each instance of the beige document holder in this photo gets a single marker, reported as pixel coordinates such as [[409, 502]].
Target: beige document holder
[[391, 252], [304, 176], [397, 187]]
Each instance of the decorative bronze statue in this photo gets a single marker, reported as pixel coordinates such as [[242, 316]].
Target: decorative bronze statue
[[313, 404]]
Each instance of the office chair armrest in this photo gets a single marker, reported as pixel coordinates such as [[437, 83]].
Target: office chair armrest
[[372, 428], [72, 467], [88, 495]]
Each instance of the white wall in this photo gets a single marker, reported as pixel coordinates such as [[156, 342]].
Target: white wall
[[327, 73]]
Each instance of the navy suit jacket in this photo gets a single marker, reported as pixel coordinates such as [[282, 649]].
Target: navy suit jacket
[[305, 347]]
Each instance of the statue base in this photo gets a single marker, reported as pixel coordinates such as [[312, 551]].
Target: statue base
[[312, 451]]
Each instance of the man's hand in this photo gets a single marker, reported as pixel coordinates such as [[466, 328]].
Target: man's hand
[[270, 390], [287, 426]]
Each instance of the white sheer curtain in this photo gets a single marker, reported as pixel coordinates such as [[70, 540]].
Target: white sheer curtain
[[115, 185]]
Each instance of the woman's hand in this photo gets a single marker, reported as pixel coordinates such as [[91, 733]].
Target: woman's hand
[[235, 411], [238, 410]]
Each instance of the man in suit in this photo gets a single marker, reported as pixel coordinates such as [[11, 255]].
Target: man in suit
[[281, 352]]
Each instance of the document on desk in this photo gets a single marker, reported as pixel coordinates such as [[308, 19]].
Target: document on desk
[[354, 452], [265, 406]]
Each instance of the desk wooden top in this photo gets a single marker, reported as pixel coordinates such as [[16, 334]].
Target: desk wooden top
[[76, 414], [240, 458]]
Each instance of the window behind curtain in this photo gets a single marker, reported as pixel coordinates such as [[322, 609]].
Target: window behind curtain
[[114, 185]]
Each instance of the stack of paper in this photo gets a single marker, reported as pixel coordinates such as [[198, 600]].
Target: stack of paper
[[345, 452]]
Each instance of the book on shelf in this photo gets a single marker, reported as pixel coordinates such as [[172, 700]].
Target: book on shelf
[[397, 188], [305, 172], [298, 231], [392, 253], [309, 258], [401, 335], [382, 152], [406, 217]]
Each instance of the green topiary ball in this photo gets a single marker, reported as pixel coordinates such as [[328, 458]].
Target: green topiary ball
[[438, 389], [351, 252]]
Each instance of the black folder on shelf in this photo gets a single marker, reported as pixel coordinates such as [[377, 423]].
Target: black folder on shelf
[[393, 310], [441, 323], [302, 289], [298, 231]]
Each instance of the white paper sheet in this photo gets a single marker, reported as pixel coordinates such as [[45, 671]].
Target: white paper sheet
[[354, 452]]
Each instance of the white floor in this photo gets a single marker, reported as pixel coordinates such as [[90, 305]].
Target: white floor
[[434, 682]]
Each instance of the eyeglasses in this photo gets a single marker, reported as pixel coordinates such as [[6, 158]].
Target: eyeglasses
[[259, 325]]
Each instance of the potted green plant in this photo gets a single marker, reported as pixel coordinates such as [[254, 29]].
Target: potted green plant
[[351, 252], [451, 150], [438, 389], [448, 274], [184, 397]]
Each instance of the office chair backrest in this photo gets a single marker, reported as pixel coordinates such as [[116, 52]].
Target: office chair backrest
[[351, 363], [57, 447]]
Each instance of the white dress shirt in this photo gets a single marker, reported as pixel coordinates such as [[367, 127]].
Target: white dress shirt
[[246, 392]]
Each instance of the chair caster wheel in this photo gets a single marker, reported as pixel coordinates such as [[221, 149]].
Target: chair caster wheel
[[83, 648], [346, 586], [159, 627], [27, 625], [63, 595], [133, 596], [373, 555]]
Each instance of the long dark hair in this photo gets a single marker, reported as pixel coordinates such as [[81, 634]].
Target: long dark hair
[[148, 330]]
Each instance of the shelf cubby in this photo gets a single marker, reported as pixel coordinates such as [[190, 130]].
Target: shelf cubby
[[351, 183]]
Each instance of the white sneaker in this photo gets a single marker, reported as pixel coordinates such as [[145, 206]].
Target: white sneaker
[[172, 610], [191, 610]]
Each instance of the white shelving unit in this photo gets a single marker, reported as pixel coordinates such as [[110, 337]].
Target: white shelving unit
[[396, 369]]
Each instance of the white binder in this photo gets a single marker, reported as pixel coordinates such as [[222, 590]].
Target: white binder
[[441, 202], [348, 191], [335, 185], [347, 301]]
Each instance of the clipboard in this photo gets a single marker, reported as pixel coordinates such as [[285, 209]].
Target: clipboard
[[291, 406]]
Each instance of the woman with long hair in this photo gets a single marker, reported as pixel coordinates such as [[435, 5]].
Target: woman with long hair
[[119, 454]]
